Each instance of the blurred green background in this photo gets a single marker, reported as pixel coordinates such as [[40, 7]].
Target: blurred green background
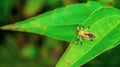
[[20, 49]]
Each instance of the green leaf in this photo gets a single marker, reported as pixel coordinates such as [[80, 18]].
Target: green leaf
[[59, 23], [105, 24]]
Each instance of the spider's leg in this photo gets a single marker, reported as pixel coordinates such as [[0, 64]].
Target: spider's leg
[[91, 40], [77, 38], [77, 27], [80, 39], [82, 27], [87, 29]]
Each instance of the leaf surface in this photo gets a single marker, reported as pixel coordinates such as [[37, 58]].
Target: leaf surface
[[105, 25]]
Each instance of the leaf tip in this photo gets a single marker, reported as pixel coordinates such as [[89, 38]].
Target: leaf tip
[[9, 27]]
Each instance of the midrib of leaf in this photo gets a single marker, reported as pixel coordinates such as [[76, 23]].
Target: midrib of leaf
[[99, 39], [92, 14]]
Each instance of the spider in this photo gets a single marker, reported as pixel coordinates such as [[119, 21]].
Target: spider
[[84, 34]]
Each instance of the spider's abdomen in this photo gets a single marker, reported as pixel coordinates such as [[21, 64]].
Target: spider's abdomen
[[90, 35]]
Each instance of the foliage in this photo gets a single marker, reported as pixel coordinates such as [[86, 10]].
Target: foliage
[[60, 24]]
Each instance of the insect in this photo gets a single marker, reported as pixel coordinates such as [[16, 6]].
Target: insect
[[84, 34]]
